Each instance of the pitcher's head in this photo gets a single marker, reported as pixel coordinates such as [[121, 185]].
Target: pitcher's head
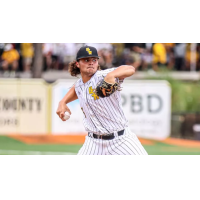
[[86, 62]]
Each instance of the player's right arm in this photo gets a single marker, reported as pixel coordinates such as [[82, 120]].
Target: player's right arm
[[62, 107]]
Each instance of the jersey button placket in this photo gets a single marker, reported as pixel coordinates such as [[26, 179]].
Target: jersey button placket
[[92, 116]]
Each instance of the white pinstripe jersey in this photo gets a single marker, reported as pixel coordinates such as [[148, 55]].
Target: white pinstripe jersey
[[102, 116]]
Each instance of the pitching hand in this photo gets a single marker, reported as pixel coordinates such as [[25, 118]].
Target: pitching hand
[[62, 108]]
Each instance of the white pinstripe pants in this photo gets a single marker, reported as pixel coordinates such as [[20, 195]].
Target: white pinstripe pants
[[127, 144]]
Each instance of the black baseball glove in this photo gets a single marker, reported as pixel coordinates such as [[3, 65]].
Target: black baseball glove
[[105, 89]]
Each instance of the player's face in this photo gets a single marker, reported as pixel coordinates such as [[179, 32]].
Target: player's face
[[88, 66]]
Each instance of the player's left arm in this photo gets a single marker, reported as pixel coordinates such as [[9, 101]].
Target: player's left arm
[[121, 73]]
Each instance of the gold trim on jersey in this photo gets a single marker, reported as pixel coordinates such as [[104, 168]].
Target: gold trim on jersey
[[83, 112]]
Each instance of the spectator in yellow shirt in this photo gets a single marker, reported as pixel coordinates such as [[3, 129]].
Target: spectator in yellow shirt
[[10, 58], [27, 52], [159, 55]]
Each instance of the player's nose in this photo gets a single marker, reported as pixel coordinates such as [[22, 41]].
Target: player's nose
[[90, 62]]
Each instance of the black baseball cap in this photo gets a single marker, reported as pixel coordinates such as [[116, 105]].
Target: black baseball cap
[[87, 52]]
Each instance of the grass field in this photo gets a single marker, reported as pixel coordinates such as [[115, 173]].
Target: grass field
[[11, 146]]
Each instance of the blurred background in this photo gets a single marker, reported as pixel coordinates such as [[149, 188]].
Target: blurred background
[[17, 59], [163, 96]]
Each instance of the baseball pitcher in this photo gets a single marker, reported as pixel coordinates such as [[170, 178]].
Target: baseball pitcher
[[100, 101]]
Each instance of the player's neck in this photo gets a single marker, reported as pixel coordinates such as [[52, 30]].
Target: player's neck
[[86, 78]]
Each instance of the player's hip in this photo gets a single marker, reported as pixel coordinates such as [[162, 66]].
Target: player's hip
[[124, 143]]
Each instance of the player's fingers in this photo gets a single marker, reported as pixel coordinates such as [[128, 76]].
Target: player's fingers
[[62, 114], [58, 112], [69, 111], [63, 119], [104, 92]]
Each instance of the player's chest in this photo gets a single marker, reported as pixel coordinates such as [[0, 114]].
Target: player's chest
[[87, 93]]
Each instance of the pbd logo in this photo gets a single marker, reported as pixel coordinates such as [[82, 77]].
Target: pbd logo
[[88, 50], [154, 103]]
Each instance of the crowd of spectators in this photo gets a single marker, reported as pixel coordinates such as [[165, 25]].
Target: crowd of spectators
[[143, 56], [15, 57], [154, 56]]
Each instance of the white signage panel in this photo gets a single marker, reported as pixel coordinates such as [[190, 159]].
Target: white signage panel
[[147, 105]]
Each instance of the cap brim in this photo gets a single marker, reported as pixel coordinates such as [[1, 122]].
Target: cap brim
[[88, 57]]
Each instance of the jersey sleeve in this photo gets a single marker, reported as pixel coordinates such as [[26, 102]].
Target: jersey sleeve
[[77, 87], [103, 73]]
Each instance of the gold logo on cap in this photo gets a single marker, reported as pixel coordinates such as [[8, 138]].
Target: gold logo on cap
[[88, 50]]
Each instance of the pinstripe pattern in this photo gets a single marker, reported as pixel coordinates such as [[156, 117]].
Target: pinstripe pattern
[[104, 116], [127, 144]]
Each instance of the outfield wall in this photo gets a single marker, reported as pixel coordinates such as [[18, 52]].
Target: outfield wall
[[29, 107]]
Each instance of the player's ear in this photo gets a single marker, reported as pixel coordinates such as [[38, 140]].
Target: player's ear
[[77, 64]]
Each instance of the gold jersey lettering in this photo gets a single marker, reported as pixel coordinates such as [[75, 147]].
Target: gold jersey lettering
[[91, 91]]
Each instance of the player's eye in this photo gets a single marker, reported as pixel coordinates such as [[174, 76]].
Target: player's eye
[[94, 60]]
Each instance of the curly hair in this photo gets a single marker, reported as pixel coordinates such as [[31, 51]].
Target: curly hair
[[74, 70]]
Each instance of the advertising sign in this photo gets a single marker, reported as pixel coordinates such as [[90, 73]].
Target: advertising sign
[[24, 106], [147, 106]]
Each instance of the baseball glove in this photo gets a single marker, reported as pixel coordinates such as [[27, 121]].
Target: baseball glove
[[105, 89]]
